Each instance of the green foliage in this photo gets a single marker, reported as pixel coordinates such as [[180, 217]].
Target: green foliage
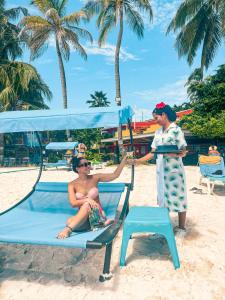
[[208, 103], [93, 156], [54, 22], [87, 136], [199, 24], [10, 48], [98, 99], [21, 87], [109, 13]]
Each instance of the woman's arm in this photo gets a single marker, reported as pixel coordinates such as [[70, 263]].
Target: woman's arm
[[143, 159], [111, 176]]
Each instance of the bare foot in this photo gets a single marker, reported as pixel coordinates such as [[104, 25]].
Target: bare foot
[[108, 222], [65, 233]]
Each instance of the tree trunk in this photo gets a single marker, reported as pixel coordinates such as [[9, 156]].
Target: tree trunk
[[1, 148], [117, 58], [63, 80]]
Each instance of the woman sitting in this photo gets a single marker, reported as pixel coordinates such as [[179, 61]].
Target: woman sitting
[[84, 194]]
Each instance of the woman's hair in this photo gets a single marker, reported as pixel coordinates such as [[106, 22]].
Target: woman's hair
[[165, 108], [76, 163]]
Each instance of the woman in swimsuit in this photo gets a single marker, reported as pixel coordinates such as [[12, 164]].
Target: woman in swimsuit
[[83, 194]]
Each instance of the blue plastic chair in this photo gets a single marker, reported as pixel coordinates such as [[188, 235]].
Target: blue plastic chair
[[149, 219]]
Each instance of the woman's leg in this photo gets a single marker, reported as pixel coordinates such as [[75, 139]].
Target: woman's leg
[[182, 219], [76, 221]]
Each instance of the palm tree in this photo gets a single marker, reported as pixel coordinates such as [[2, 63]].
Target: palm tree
[[10, 48], [112, 13], [200, 24], [98, 99], [62, 27], [21, 87]]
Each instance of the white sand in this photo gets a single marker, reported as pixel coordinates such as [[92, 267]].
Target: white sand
[[47, 273]]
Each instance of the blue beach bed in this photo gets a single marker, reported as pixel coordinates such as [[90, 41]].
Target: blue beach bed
[[38, 217]]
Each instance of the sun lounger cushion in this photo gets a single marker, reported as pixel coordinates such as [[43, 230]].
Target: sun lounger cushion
[[204, 159], [39, 218]]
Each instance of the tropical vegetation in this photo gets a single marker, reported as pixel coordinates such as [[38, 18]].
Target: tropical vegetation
[[207, 99], [113, 13], [200, 24], [98, 99], [54, 22], [21, 87]]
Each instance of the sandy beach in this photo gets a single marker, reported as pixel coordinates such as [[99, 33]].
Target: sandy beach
[[47, 273]]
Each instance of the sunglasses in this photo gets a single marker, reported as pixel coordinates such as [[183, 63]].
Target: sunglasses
[[86, 164]]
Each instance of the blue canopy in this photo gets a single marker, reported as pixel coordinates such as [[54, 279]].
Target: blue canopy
[[61, 146], [63, 119]]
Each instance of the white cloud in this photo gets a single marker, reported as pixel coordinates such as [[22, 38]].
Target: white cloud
[[171, 93], [163, 12], [142, 114], [108, 50]]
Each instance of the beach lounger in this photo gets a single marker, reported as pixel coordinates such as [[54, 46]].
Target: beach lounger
[[43, 212], [38, 218], [59, 163], [212, 169]]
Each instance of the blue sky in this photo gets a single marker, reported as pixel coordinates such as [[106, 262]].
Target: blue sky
[[150, 69]]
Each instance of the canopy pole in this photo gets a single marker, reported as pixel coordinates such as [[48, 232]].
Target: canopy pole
[[41, 158], [132, 149]]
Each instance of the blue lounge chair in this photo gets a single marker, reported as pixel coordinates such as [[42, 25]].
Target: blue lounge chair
[[43, 212], [209, 170], [59, 163]]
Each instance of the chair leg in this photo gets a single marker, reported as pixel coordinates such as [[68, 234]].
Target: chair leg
[[106, 275], [208, 187], [125, 241], [173, 248]]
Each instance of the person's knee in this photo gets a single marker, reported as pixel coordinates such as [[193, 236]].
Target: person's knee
[[86, 207]]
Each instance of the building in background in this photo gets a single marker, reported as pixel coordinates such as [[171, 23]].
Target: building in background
[[143, 134]]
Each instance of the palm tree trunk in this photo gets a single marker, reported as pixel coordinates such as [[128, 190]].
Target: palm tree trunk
[[62, 75], [1, 148], [117, 58], [63, 80]]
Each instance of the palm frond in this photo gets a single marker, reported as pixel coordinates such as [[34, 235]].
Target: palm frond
[[143, 6], [53, 17], [14, 13], [212, 40], [74, 18], [80, 32], [109, 23], [134, 20], [185, 12], [192, 34], [72, 38], [62, 8], [38, 42], [42, 5], [93, 7], [34, 22], [62, 38]]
